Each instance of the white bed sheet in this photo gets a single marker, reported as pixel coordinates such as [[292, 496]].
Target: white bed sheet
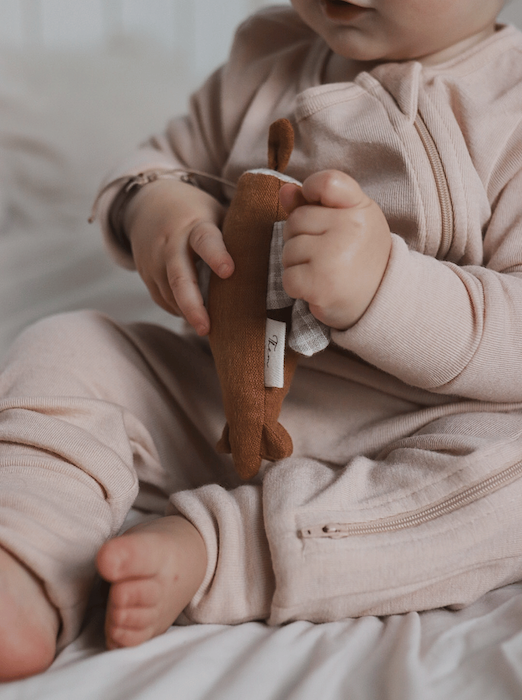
[[63, 121], [472, 654]]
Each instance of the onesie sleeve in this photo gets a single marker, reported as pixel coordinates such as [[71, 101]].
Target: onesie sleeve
[[203, 139], [450, 329]]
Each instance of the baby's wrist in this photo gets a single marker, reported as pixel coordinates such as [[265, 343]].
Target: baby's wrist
[[131, 189], [148, 195]]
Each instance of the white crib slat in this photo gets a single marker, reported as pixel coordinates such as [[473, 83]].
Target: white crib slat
[[257, 4], [184, 28], [152, 19], [215, 23], [512, 14], [112, 19], [12, 28], [72, 23], [201, 30]]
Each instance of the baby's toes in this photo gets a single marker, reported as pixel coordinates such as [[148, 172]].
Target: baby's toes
[[127, 627], [118, 637], [133, 618], [132, 613], [137, 593]]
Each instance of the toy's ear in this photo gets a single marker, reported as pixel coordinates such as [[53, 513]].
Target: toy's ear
[[280, 145]]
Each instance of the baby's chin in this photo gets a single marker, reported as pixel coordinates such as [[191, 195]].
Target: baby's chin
[[374, 53], [355, 51], [355, 45]]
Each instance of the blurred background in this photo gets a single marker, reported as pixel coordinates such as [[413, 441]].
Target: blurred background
[[81, 83], [201, 30]]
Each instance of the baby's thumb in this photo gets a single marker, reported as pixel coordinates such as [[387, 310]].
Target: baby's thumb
[[335, 189], [291, 197]]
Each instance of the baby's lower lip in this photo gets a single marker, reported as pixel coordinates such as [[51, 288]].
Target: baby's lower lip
[[340, 10]]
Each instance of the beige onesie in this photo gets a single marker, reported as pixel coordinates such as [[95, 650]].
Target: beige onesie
[[404, 489]]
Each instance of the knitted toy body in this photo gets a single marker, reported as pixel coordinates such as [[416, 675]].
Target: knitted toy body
[[241, 345]]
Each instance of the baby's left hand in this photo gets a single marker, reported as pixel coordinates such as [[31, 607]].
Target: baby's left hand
[[337, 245]]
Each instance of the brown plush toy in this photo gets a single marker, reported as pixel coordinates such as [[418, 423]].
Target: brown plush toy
[[244, 344]]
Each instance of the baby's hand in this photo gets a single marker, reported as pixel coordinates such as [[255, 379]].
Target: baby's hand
[[337, 245], [170, 224]]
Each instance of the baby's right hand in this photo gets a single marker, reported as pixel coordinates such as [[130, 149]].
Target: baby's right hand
[[170, 224]]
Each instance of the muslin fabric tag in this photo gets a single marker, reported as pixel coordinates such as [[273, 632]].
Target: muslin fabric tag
[[275, 338], [306, 335]]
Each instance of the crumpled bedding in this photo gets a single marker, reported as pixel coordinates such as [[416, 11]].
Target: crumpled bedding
[[64, 120], [472, 654]]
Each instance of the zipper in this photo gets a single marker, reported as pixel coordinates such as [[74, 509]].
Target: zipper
[[441, 182], [421, 516]]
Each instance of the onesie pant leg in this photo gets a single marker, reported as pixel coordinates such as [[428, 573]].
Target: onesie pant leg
[[432, 520], [87, 410]]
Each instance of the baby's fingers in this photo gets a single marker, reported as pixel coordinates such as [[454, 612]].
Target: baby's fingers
[[162, 295], [182, 280], [206, 240], [291, 197]]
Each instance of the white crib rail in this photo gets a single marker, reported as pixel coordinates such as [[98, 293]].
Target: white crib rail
[[200, 29]]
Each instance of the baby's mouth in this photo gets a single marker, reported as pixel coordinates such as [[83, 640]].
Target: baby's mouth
[[342, 10]]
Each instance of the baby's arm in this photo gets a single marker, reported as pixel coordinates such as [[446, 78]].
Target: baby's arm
[[448, 328], [337, 245], [200, 141], [170, 224]]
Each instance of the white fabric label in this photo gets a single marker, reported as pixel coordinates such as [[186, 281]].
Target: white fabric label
[[275, 353]]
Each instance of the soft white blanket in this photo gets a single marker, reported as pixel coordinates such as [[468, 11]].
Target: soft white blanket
[[63, 121]]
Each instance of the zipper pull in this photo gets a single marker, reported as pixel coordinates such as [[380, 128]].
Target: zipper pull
[[333, 531]]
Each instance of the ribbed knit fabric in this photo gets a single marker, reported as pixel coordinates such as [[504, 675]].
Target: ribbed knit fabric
[[404, 488]]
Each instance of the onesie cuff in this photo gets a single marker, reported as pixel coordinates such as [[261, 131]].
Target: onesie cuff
[[239, 582], [419, 326]]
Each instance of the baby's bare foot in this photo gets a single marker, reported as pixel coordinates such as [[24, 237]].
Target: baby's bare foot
[[28, 622], [155, 569]]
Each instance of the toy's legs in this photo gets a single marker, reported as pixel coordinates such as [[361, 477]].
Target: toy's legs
[[86, 410]]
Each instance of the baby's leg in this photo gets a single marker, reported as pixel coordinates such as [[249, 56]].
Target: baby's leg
[[66, 480], [28, 622], [86, 409], [433, 520], [155, 570]]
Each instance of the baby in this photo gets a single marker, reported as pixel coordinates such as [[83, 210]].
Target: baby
[[403, 491]]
